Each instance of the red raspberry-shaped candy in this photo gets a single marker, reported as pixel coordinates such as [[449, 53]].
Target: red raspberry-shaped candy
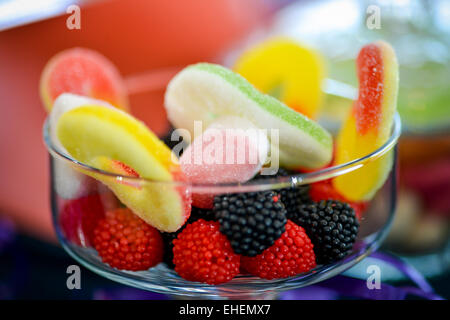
[[201, 253], [291, 254], [126, 242]]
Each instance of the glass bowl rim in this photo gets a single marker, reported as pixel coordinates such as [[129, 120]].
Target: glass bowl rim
[[249, 186]]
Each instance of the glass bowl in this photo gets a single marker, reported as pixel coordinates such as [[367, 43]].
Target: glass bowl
[[67, 181]]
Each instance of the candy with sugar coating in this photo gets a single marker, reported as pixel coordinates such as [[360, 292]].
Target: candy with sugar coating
[[84, 72], [112, 140], [369, 123], [286, 69], [69, 183], [231, 149], [205, 92]]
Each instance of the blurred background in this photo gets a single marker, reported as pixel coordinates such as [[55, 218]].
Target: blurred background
[[149, 40]]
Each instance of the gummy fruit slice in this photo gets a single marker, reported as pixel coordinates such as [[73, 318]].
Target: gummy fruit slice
[[83, 72], [68, 182], [112, 140], [205, 92], [291, 72], [369, 124]]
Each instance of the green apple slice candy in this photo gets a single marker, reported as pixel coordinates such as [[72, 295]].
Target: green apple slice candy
[[204, 92]]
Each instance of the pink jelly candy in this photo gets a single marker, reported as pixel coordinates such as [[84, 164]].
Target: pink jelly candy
[[231, 150]]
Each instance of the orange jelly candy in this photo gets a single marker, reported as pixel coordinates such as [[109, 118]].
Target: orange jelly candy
[[369, 123]]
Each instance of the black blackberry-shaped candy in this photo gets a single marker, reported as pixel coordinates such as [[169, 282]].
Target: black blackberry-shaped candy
[[332, 227], [291, 197], [251, 221], [196, 213]]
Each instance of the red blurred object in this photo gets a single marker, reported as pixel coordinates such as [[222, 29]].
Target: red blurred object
[[425, 170], [432, 182], [80, 216], [136, 35]]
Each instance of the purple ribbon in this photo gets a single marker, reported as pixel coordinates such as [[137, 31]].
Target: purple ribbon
[[343, 286], [127, 294], [409, 271]]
